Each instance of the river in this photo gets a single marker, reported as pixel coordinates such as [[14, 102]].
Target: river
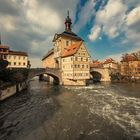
[[101, 111]]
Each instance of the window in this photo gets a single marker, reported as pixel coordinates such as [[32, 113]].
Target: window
[[24, 63], [81, 59], [19, 57], [9, 63], [14, 57], [67, 43], [14, 63], [4, 56], [82, 66], [19, 63], [9, 56]]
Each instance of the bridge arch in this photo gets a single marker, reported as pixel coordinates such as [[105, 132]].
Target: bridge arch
[[100, 74], [52, 72], [96, 76]]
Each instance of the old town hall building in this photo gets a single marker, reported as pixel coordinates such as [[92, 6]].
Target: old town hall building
[[70, 55]]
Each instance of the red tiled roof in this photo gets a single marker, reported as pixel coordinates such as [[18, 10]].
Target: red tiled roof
[[71, 50], [96, 64], [109, 60]]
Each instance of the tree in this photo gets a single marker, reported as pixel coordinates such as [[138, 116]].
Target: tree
[[3, 64]]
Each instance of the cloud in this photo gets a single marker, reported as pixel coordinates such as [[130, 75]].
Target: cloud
[[116, 18], [95, 31], [110, 18], [29, 25], [85, 14], [133, 18]]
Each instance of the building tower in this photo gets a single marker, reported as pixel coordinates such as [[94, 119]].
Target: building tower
[[68, 23]]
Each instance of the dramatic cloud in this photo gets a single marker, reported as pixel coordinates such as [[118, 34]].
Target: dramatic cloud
[[95, 31], [29, 25], [87, 11], [110, 18], [133, 18], [116, 18]]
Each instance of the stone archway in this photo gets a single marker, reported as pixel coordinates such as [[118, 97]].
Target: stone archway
[[49, 78], [96, 76]]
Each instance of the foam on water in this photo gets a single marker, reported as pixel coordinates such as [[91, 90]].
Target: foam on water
[[108, 104]]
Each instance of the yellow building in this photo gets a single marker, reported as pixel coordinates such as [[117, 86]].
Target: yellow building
[[70, 56], [48, 60], [75, 64], [110, 63], [16, 59], [130, 65]]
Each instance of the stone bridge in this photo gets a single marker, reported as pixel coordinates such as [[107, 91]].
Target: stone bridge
[[101, 74], [53, 72]]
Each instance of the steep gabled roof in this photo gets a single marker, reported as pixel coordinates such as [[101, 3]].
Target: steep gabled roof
[[48, 54], [71, 50], [68, 34]]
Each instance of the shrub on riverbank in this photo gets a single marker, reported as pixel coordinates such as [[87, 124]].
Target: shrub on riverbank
[[13, 76]]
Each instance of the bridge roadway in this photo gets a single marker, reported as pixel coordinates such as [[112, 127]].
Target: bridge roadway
[[53, 72], [56, 73]]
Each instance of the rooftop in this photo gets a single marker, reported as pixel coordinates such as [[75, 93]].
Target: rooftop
[[18, 53], [109, 60], [48, 53], [4, 47], [71, 50], [68, 34]]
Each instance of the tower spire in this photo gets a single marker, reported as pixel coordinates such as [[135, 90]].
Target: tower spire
[[68, 22]]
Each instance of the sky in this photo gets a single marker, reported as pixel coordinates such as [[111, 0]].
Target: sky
[[109, 28]]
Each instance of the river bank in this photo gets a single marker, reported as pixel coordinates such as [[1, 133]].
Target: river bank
[[8, 90]]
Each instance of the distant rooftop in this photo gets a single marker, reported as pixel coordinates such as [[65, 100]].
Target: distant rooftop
[[18, 53], [4, 46]]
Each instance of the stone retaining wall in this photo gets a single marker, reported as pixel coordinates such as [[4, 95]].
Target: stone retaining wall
[[11, 90]]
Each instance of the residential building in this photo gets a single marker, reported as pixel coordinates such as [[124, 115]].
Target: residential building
[[130, 65], [110, 63], [48, 59], [16, 59], [4, 50], [70, 56]]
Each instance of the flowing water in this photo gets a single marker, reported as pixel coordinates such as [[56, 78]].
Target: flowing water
[[100, 111]]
